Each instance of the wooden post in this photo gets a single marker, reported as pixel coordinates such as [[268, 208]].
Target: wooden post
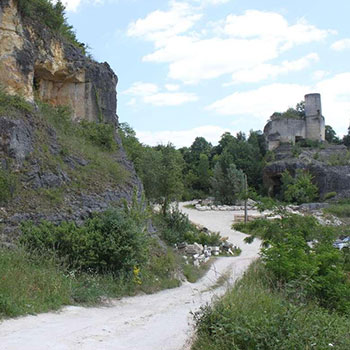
[[245, 199]]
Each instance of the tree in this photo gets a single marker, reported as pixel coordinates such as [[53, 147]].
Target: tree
[[204, 173], [346, 138], [331, 135], [168, 176], [227, 184]]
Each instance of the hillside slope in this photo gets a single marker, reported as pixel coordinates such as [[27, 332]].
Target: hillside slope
[[61, 156]]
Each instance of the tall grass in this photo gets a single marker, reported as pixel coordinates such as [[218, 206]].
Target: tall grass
[[30, 285]]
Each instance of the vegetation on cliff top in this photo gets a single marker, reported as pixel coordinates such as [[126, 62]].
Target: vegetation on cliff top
[[51, 15]]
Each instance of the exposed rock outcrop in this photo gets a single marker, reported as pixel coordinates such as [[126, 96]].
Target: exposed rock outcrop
[[329, 166], [35, 63]]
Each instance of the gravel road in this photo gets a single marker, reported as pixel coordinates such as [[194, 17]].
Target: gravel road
[[161, 321]]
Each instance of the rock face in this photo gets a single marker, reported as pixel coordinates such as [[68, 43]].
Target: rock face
[[36, 63], [329, 166], [33, 61]]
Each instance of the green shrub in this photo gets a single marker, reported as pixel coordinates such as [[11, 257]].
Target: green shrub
[[251, 316], [299, 189], [101, 135], [177, 228], [109, 242], [318, 270], [204, 238]]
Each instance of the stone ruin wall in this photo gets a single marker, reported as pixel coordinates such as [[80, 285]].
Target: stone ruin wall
[[289, 130]]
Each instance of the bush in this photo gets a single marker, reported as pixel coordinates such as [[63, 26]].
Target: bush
[[177, 228], [251, 316], [318, 269], [101, 135], [109, 242], [299, 189]]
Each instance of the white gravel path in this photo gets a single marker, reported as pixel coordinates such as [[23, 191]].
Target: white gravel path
[[161, 321]]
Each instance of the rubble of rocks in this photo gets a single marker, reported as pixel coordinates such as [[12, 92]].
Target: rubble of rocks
[[198, 254], [205, 205]]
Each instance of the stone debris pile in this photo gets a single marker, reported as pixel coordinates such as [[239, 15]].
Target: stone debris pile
[[342, 243], [198, 254]]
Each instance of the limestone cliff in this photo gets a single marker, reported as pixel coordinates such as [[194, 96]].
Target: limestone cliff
[[58, 177], [36, 62]]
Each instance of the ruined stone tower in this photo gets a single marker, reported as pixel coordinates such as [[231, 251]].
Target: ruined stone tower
[[315, 123], [291, 129]]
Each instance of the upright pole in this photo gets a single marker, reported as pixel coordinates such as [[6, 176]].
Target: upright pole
[[245, 199]]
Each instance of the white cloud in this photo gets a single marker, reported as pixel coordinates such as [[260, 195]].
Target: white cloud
[[181, 138], [142, 89], [170, 98], [265, 71], [319, 74], [211, 2], [150, 94], [341, 45], [262, 102], [336, 101], [158, 26], [240, 42], [272, 26], [73, 5], [172, 87]]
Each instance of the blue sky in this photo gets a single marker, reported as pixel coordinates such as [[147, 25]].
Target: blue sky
[[192, 68]]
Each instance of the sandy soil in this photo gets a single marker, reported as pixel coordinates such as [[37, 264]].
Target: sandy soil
[[161, 321]]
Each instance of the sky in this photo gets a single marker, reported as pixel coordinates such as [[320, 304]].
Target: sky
[[191, 68]]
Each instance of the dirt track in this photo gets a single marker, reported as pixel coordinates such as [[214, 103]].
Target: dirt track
[[161, 321]]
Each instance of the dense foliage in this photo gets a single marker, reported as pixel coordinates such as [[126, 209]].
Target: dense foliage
[[51, 15], [299, 251], [227, 184], [177, 228], [108, 242], [297, 296], [254, 316], [298, 189], [200, 170]]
